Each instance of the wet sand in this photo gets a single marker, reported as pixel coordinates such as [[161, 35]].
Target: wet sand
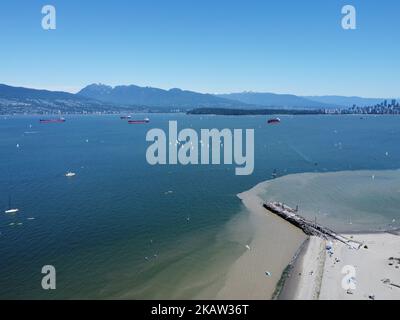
[[316, 274], [274, 244], [305, 278]]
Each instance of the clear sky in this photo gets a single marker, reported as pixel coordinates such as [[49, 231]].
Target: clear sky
[[285, 46]]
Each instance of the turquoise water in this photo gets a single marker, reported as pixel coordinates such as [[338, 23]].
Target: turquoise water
[[98, 227], [348, 201]]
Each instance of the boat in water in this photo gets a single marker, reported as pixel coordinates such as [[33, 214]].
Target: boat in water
[[10, 210], [70, 174], [142, 121], [126, 117], [58, 120], [274, 121]]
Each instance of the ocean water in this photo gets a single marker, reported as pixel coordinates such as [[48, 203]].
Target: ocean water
[[98, 228]]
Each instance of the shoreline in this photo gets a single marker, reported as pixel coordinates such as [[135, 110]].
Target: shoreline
[[313, 272], [376, 270], [272, 248], [256, 273]]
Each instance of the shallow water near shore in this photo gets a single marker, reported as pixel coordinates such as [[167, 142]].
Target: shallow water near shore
[[348, 201], [123, 228]]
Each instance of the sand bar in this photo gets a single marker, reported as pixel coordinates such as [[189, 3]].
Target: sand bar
[[274, 244], [319, 273]]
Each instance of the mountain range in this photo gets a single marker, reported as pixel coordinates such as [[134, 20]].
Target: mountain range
[[155, 97], [100, 97], [25, 100]]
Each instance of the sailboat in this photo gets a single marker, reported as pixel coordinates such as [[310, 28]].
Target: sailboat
[[70, 174], [10, 210]]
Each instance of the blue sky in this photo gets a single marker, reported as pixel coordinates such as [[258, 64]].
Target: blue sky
[[285, 46]]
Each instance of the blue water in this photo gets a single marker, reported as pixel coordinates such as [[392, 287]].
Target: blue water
[[98, 227]]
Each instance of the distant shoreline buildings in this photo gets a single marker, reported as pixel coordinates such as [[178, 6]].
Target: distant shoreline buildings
[[385, 107]]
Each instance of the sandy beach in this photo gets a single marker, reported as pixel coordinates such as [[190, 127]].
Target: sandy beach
[[319, 275], [377, 266], [323, 269]]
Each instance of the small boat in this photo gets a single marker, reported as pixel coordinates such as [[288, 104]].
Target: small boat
[[70, 174], [58, 120], [10, 210], [274, 174], [274, 121], [143, 121], [125, 117]]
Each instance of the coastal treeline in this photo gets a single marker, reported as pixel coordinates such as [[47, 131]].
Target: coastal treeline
[[256, 112]]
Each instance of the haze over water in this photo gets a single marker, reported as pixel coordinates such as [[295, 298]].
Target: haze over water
[[98, 227]]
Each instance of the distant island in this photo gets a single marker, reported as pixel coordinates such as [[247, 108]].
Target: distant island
[[257, 112]]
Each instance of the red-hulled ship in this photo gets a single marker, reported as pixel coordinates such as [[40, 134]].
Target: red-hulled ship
[[274, 121], [59, 120], [143, 121]]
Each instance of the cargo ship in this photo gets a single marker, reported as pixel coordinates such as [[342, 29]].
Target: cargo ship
[[274, 121], [125, 117], [142, 121], [59, 120]]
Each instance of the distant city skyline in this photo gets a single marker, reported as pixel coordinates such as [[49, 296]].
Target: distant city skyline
[[282, 47]]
